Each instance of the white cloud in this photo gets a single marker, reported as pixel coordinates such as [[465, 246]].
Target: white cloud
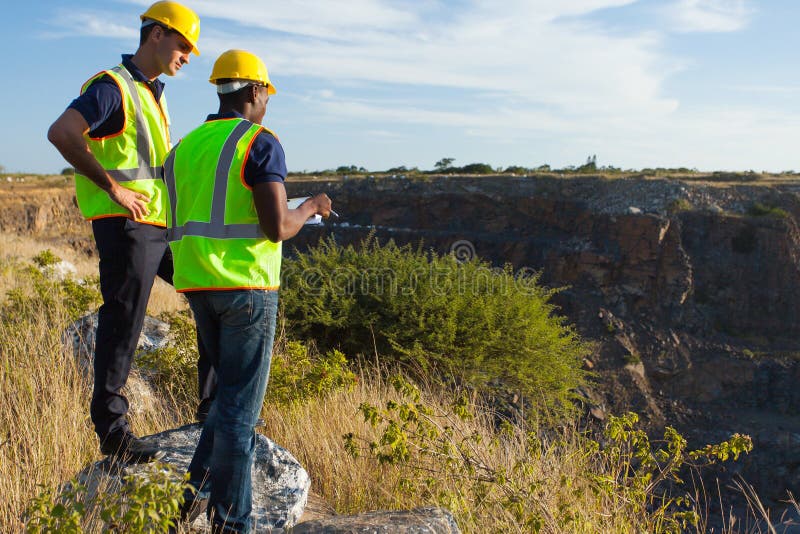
[[528, 65], [72, 22], [522, 50], [522, 70], [709, 15]]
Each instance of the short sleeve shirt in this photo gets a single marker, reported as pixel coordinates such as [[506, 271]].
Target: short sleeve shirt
[[266, 161], [101, 103]]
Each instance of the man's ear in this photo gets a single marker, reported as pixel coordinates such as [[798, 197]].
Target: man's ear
[[156, 33], [252, 94]]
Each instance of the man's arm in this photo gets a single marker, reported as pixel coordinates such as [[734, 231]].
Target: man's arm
[[66, 134], [278, 222]]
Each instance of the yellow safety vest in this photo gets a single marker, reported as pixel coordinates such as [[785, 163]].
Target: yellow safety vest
[[133, 156], [214, 233]]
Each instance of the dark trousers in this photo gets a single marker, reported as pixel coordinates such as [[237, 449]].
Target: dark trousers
[[131, 256]]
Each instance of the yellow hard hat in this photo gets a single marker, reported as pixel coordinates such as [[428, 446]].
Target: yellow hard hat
[[241, 65], [177, 17]]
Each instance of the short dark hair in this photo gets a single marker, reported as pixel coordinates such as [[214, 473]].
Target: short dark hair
[[234, 98], [144, 32]]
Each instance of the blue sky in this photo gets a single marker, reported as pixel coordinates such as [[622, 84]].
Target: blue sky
[[711, 84]]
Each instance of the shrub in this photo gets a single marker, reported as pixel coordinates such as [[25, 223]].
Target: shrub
[[516, 169], [447, 462], [678, 205], [436, 316], [51, 295], [299, 373], [762, 210], [476, 168], [147, 502], [173, 368]]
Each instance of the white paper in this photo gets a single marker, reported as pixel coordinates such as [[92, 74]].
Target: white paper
[[295, 202]]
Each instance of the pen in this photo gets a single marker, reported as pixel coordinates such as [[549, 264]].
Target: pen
[[332, 212]]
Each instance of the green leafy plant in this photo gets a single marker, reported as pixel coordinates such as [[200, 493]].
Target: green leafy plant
[[447, 463], [49, 294], [147, 502], [62, 514], [299, 373], [435, 316], [46, 258], [174, 366], [678, 205], [639, 467], [762, 210]]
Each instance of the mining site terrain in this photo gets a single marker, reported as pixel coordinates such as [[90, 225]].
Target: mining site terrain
[[688, 284]]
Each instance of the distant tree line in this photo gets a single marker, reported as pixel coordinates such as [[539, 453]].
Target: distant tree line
[[446, 166]]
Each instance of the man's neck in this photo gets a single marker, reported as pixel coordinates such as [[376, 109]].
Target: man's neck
[[144, 62], [232, 109]]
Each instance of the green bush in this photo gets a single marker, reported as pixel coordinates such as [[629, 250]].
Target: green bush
[[762, 210], [299, 373], [516, 169], [477, 168], [436, 316], [49, 294], [147, 502], [678, 205], [173, 367], [449, 464]]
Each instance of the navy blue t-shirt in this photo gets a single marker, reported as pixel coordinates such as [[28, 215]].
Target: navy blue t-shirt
[[101, 103], [266, 161]]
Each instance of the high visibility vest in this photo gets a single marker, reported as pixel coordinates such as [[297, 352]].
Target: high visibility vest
[[132, 156], [212, 222]]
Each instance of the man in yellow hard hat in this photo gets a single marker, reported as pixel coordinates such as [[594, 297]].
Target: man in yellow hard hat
[[116, 135], [227, 216]]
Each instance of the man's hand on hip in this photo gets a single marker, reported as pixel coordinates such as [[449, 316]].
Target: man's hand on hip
[[132, 201]]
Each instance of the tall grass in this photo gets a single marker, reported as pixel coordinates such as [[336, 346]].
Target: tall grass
[[46, 435]]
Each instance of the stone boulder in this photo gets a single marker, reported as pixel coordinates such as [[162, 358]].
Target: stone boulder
[[80, 335], [60, 271], [280, 484], [427, 520]]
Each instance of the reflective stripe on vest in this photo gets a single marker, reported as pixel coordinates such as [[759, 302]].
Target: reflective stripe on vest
[[203, 178], [144, 135], [217, 228]]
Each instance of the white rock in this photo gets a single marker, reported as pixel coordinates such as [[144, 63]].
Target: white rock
[[81, 334], [60, 270], [138, 389], [280, 484]]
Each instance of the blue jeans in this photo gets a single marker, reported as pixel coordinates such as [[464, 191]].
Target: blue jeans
[[237, 330]]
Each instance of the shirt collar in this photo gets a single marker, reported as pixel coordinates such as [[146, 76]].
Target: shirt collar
[[137, 74], [226, 115]]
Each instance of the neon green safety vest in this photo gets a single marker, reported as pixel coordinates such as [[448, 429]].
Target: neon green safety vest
[[214, 233], [133, 156]]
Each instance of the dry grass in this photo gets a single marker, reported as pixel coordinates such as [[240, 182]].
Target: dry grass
[[46, 435], [314, 434], [17, 249]]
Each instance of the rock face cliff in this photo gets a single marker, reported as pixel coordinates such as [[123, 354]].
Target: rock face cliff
[[689, 287]]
